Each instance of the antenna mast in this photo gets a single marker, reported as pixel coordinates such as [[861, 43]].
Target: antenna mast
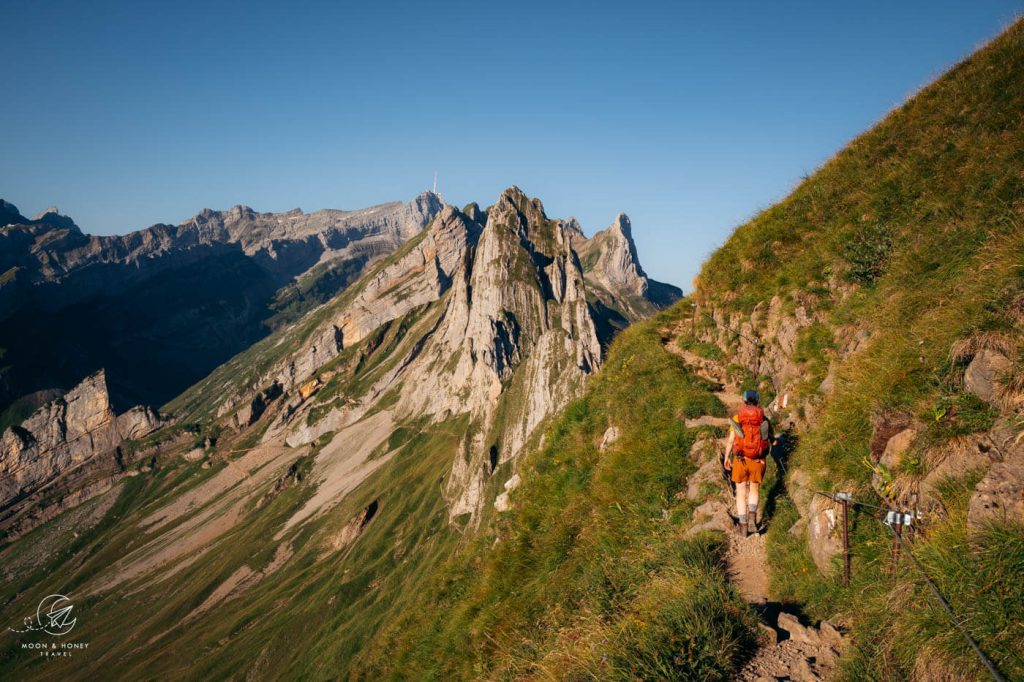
[[435, 182]]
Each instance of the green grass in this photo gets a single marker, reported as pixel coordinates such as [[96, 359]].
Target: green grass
[[896, 619], [709, 351], [585, 578], [914, 234], [313, 289], [307, 620]]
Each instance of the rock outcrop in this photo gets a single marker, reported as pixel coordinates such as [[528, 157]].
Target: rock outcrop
[[518, 331], [999, 496], [613, 270], [983, 374], [419, 277], [74, 433], [484, 323]]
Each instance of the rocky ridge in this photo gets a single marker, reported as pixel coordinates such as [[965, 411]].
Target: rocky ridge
[[192, 294], [51, 248], [66, 445], [614, 272], [365, 436], [508, 336]]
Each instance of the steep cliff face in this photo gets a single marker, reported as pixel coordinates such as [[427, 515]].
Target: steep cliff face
[[615, 275], [519, 341], [410, 280], [191, 295], [495, 326], [67, 441]]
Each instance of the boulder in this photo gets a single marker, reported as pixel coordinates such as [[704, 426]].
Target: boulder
[[954, 460], [712, 515], [195, 454], [703, 448], [895, 448], [799, 487], [830, 634], [999, 496], [983, 375], [610, 436], [768, 635], [709, 474], [884, 427], [820, 516], [502, 503], [824, 531], [798, 632], [137, 422]]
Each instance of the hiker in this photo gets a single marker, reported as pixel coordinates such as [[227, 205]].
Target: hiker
[[746, 453]]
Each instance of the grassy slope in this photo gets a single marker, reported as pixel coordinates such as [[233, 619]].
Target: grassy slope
[[925, 215], [305, 620], [590, 575]]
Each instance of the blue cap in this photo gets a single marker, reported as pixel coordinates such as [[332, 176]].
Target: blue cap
[[750, 397]]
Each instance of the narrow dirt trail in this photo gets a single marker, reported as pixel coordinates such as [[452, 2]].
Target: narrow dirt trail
[[789, 650]]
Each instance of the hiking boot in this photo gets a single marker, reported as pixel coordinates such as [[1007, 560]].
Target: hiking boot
[[751, 524]]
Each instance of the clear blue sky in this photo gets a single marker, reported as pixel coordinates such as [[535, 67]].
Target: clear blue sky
[[690, 116]]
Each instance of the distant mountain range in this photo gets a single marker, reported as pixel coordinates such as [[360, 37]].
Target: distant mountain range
[[272, 303], [161, 307]]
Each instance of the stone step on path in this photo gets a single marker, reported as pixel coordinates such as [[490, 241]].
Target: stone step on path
[[789, 650], [807, 654], [707, 420]]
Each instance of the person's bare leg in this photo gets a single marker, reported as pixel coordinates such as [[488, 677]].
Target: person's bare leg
[[752, 500], [741, 502]]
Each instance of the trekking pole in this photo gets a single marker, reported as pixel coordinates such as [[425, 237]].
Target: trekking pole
[[946, 607], [845, 499]]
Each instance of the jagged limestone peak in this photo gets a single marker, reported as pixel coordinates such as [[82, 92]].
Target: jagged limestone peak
[[618, 261]]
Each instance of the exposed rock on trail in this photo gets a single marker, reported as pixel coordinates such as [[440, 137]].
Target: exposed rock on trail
[[789, 650], [805, 653], [808, 653]]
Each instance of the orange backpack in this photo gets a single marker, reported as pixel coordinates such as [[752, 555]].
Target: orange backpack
[[751, 444]]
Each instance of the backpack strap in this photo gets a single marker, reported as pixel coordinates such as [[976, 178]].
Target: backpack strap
[[734, 423]]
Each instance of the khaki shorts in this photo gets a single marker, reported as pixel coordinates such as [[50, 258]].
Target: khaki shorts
[[746, 470]]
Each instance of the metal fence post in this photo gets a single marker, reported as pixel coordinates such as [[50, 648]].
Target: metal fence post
[[845, 499]]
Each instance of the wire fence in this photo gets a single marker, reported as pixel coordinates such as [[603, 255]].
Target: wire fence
[[896, 521]]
